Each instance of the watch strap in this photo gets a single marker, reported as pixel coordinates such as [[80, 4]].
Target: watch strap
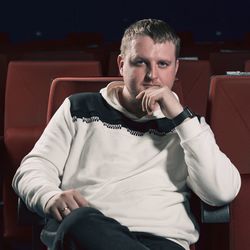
[[186, 113]]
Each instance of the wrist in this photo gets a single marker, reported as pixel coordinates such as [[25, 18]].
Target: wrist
[[181, 117]]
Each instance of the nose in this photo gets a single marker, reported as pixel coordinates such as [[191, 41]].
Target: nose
[[152, 73]]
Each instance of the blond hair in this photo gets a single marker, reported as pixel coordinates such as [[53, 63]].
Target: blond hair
[[158, 30]]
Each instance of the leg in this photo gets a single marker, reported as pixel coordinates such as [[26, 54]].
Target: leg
[[154, 242], [88, 229]]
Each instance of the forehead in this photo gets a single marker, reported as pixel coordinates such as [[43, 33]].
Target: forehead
[[144, 46]]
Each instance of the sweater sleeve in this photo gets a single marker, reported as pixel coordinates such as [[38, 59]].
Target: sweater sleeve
[[39, 176], [211, 175]]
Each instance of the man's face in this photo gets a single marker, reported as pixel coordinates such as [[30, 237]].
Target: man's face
[[146, 64]]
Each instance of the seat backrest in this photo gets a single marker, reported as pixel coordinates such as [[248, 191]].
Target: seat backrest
[[195, 77], [28, 84], [66, 86], [199, 50], [113, 69], [221, 62], [3, 72], [247, 65], [229, 117]]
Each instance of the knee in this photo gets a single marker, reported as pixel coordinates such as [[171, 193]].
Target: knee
[[80, 217], [79, 220], [76, 228], [83, 213]]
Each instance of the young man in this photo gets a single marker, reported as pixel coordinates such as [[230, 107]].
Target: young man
[[113, 169]]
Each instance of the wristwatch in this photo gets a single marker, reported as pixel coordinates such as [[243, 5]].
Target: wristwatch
[[186, 113]]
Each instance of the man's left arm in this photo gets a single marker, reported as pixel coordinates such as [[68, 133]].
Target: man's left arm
[[211, 174]]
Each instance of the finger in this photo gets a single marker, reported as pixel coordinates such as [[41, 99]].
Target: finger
[[144, 103], [72, 204], [57, 215], [80, 200], [148, 102], [67, 200], [146, 108], [64, 211], [140, 95], [152, 104]]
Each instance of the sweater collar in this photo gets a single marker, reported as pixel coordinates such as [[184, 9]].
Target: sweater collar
[[110, 94]]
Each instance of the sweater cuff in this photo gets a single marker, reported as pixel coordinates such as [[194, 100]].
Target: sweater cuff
[[189, 129], [44, 200]]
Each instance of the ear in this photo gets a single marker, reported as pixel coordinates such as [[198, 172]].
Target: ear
[[120, 63], [176, 66]]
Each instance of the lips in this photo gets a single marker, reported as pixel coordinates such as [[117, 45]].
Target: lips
[[151, 85]]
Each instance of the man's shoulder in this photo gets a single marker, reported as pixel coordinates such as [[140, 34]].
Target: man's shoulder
[[87, 104], [84, 97]]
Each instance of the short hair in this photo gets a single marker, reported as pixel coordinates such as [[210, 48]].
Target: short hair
[[158, 30]]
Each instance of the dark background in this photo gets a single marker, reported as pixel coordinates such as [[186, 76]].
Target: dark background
[[208, 20]]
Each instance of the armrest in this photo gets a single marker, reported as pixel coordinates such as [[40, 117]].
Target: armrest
[[214, 214], [27, 217]]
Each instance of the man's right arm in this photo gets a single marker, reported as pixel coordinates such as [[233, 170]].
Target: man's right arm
[[38, 178]]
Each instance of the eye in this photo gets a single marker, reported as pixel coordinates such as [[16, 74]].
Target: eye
[[163, 64], [139, 62]]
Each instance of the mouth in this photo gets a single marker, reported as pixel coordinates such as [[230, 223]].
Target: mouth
[[151, 85]]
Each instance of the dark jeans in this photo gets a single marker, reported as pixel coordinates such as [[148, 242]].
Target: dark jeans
[[88, 229]]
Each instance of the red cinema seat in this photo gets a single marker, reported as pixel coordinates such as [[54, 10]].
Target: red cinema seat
[[113, 69], [62, 88], [3, 72], [229, 117], [199, 50], [66, 86], [224, 61], [27, 91], [247, 65]]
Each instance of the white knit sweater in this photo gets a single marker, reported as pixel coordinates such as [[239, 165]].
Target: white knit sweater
[[136, 170]]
